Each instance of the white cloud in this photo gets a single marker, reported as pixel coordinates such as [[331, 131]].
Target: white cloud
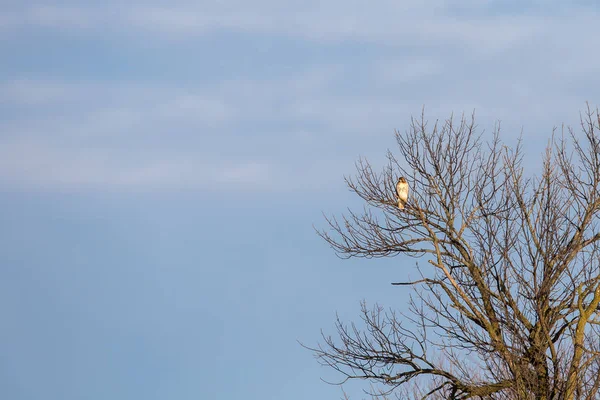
[[398, 23], [35, 164], [307, 123], [112, 135], [32, 93], [250, 173], [253, 134], [408, 70]]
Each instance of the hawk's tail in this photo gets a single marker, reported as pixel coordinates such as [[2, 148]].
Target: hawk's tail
[[400, 204]]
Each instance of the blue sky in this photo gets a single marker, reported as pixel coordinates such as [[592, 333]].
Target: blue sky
[[162, 164]]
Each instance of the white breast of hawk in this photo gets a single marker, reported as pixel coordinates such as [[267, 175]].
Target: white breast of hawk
[[402, 192]]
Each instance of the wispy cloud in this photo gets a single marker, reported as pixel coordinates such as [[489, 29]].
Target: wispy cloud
[[358, 72], [472, 24], [140, 136], [26, 164]]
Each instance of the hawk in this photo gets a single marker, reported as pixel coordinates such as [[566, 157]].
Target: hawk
[[402, 192]]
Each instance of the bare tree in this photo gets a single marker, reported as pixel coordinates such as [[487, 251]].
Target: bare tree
[[507, 307]]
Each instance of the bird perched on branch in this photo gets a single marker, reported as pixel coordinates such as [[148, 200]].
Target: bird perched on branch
[[402, 192]]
